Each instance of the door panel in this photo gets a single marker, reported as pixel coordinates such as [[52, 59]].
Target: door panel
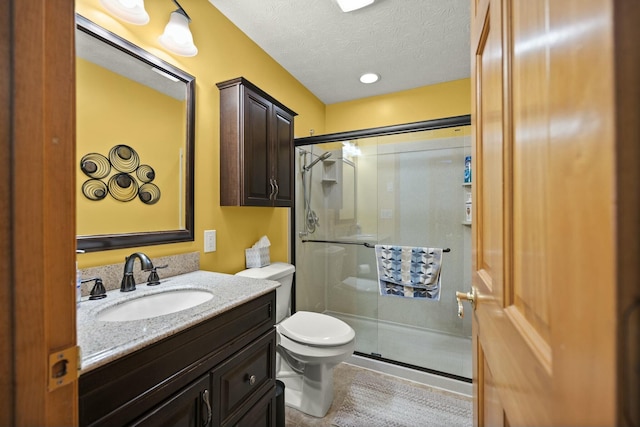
[[283, 157], [489, 148], [42, 185], [530, 164], [257, 169], [583, 256], [494, 413]]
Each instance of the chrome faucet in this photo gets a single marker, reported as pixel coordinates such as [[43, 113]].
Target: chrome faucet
[[128, 282]]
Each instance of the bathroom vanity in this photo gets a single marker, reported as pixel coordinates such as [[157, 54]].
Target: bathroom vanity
[[209, 365]]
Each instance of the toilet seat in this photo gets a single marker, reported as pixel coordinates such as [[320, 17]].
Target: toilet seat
[[313, 355], [316, 329]]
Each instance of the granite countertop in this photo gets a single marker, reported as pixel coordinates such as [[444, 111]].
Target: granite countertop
[[102, 342]]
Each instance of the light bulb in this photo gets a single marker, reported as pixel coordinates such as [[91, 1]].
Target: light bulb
[[176, 37], [131, 11]]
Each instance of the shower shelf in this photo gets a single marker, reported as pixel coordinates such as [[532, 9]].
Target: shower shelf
[[330, 173]]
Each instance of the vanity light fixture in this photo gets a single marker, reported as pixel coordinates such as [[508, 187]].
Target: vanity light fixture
[[368, 78], [131, 11], [351, 5], [177, 37]]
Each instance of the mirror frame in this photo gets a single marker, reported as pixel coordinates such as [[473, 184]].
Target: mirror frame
[[102, 242]]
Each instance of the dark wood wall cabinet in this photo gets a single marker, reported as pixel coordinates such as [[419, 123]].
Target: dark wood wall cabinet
[[220, 372], [256, 147]]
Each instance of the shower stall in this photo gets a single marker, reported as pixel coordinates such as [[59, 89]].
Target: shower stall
[[399, 185]]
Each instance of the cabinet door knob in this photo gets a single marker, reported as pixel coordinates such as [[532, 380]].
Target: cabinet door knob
[[275, 195], [251, 379]]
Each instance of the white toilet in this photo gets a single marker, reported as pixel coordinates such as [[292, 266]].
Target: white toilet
[[310, 345]]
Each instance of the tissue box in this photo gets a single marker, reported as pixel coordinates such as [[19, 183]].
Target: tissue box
[[257, 257]]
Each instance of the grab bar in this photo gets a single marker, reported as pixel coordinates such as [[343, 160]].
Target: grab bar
[[346, 242]]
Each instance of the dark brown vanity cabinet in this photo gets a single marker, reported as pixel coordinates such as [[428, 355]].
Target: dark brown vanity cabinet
[[256, 147], [220, 372], [190, 407]]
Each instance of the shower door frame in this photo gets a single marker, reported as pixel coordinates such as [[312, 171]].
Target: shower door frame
[[442, 123]]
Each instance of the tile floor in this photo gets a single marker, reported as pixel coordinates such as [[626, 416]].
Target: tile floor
[[343, 375]]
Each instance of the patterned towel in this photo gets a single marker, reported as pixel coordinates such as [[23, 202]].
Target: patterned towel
[[410, 272]]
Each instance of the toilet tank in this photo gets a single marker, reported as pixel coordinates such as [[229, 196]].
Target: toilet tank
[[280, 272]]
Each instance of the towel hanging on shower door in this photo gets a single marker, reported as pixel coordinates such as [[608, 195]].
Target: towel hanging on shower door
[[409, 272]]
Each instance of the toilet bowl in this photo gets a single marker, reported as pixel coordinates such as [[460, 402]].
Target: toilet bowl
[[309, 346]]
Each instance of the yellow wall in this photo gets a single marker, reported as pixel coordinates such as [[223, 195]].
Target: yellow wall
[[224, 53], [425, 103]]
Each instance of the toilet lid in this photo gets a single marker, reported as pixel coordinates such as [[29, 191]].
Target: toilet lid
[[316, 329]]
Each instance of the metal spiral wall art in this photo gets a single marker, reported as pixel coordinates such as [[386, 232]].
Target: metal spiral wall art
[[123, 184]]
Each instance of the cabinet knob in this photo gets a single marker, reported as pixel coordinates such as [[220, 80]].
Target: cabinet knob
[[275, 195], [251, 379]]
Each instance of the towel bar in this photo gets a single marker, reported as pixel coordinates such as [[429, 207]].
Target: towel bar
[[346, 242]]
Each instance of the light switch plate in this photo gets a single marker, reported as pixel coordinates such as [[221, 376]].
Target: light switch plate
[[209, 240]]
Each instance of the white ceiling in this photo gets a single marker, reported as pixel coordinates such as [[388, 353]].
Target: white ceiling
[[409, 43]]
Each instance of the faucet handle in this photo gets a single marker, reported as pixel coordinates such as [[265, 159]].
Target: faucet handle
[[153, 278], [98, 291]]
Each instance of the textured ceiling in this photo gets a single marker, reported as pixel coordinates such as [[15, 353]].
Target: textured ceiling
[[409, 43]]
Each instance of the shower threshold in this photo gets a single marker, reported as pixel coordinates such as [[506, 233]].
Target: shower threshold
[[414, 348], [432, 380]]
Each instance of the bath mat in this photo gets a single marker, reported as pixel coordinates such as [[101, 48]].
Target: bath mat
[[378, 402]]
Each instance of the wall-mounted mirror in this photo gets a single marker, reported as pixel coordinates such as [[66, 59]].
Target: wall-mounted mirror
[[135, 116]]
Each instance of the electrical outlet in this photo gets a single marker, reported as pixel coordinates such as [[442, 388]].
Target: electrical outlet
[[209, 240]]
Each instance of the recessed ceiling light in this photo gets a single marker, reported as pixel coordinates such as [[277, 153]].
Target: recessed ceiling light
[[351, 5], [369, 78]]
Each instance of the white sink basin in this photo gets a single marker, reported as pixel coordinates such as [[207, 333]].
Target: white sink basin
[[154, 305]]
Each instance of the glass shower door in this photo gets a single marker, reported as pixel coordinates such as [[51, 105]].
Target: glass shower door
[[421, 204], [328, 245], [403, 190]]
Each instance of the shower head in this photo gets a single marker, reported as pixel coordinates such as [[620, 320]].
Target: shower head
[[323, 157]]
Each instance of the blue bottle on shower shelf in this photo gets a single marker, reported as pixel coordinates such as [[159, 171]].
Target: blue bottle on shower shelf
[[467, 169]]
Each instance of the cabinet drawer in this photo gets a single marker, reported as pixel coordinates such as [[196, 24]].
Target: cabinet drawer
[[242, 380]]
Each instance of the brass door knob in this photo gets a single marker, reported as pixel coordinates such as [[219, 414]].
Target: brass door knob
[[465, 296]]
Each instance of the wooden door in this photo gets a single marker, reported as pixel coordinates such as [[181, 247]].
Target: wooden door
[[37, 211], [544, 228]]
